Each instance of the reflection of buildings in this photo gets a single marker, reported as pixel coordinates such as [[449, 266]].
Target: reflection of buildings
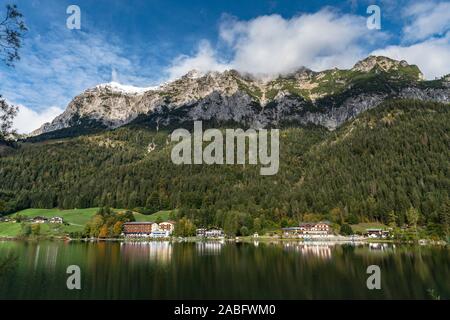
[[380, 247], [159, 251], [209, 247], [317, 249], [47, 256]]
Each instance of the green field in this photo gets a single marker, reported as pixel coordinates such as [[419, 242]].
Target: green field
[[162, 215], [76, 220], [361, 227]]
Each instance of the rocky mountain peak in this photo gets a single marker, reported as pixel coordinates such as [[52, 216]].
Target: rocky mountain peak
[[302, 96], [382, 62], [193, 74]]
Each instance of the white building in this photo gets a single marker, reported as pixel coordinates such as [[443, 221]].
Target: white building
[[56, 220]]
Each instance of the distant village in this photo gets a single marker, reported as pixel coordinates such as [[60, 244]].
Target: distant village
[[311, 230], [37, 219], [142, 230]]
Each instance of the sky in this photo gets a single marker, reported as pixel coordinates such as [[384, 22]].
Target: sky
[[146, 42]]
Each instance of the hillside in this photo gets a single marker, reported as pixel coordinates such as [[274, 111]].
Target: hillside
[[372, 168], [75, 220]]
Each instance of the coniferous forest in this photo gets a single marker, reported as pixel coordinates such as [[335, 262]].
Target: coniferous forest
[[373, 168]]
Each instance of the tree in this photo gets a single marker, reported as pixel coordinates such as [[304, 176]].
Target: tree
[[412, 215], [152, 202], [184, 228], [244, 231], [257, 224], [352, 219], [392, 219], [117, 229], [25, 229], [36, 229], [346, 230], [445, 217], [336, 215], [7, 114], [231, 223], [2, 206], [103, 232], [12, 31]]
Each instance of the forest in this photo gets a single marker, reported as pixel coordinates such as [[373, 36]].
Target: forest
[[376, 167]]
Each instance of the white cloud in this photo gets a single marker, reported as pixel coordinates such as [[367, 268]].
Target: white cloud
[[28, 120], [426, 19], [271, 45], [204, 60], [432, 56], [54, 70]]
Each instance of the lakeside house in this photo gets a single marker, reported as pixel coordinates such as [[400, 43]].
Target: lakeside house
[[39, 219], [310, 230], [377, 233], [209, 233], [148, 229], [57, 220], [167, 226]]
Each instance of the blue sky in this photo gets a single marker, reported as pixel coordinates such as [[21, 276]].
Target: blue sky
[[144, 43]]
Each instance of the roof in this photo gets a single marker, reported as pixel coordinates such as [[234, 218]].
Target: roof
[[136, 222], [314, 223]]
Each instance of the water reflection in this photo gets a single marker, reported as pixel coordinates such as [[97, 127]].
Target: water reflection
[[209, 247], [157, 251], [381, 247], [221, 270], [317, 249]]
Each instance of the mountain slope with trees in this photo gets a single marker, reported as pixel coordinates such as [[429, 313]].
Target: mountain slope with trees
[[377, 167]]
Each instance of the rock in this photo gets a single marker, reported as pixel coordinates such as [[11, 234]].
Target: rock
[[327, 98]]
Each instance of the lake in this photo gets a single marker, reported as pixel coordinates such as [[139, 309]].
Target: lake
[[221, 270]]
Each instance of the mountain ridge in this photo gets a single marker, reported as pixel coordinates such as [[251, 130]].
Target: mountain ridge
[[327, 98]]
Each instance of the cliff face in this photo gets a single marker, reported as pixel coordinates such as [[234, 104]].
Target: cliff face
[[326, 98]]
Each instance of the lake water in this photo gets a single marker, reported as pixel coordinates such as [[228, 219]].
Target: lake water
[[214, 270]]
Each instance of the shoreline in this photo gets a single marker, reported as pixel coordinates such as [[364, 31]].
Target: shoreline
[[333, 241]]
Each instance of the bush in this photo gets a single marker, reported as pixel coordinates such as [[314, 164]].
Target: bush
[[346, 230], [352, 219], [244, 231]]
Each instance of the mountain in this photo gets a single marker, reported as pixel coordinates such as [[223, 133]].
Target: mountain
[[364, 144], [327, 98]]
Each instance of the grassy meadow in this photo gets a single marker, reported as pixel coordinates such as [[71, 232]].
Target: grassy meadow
[[75, 220]]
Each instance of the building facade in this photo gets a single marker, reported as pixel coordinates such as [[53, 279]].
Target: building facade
[[148, 229], [377, 233], [209, 233], [309, 230]]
